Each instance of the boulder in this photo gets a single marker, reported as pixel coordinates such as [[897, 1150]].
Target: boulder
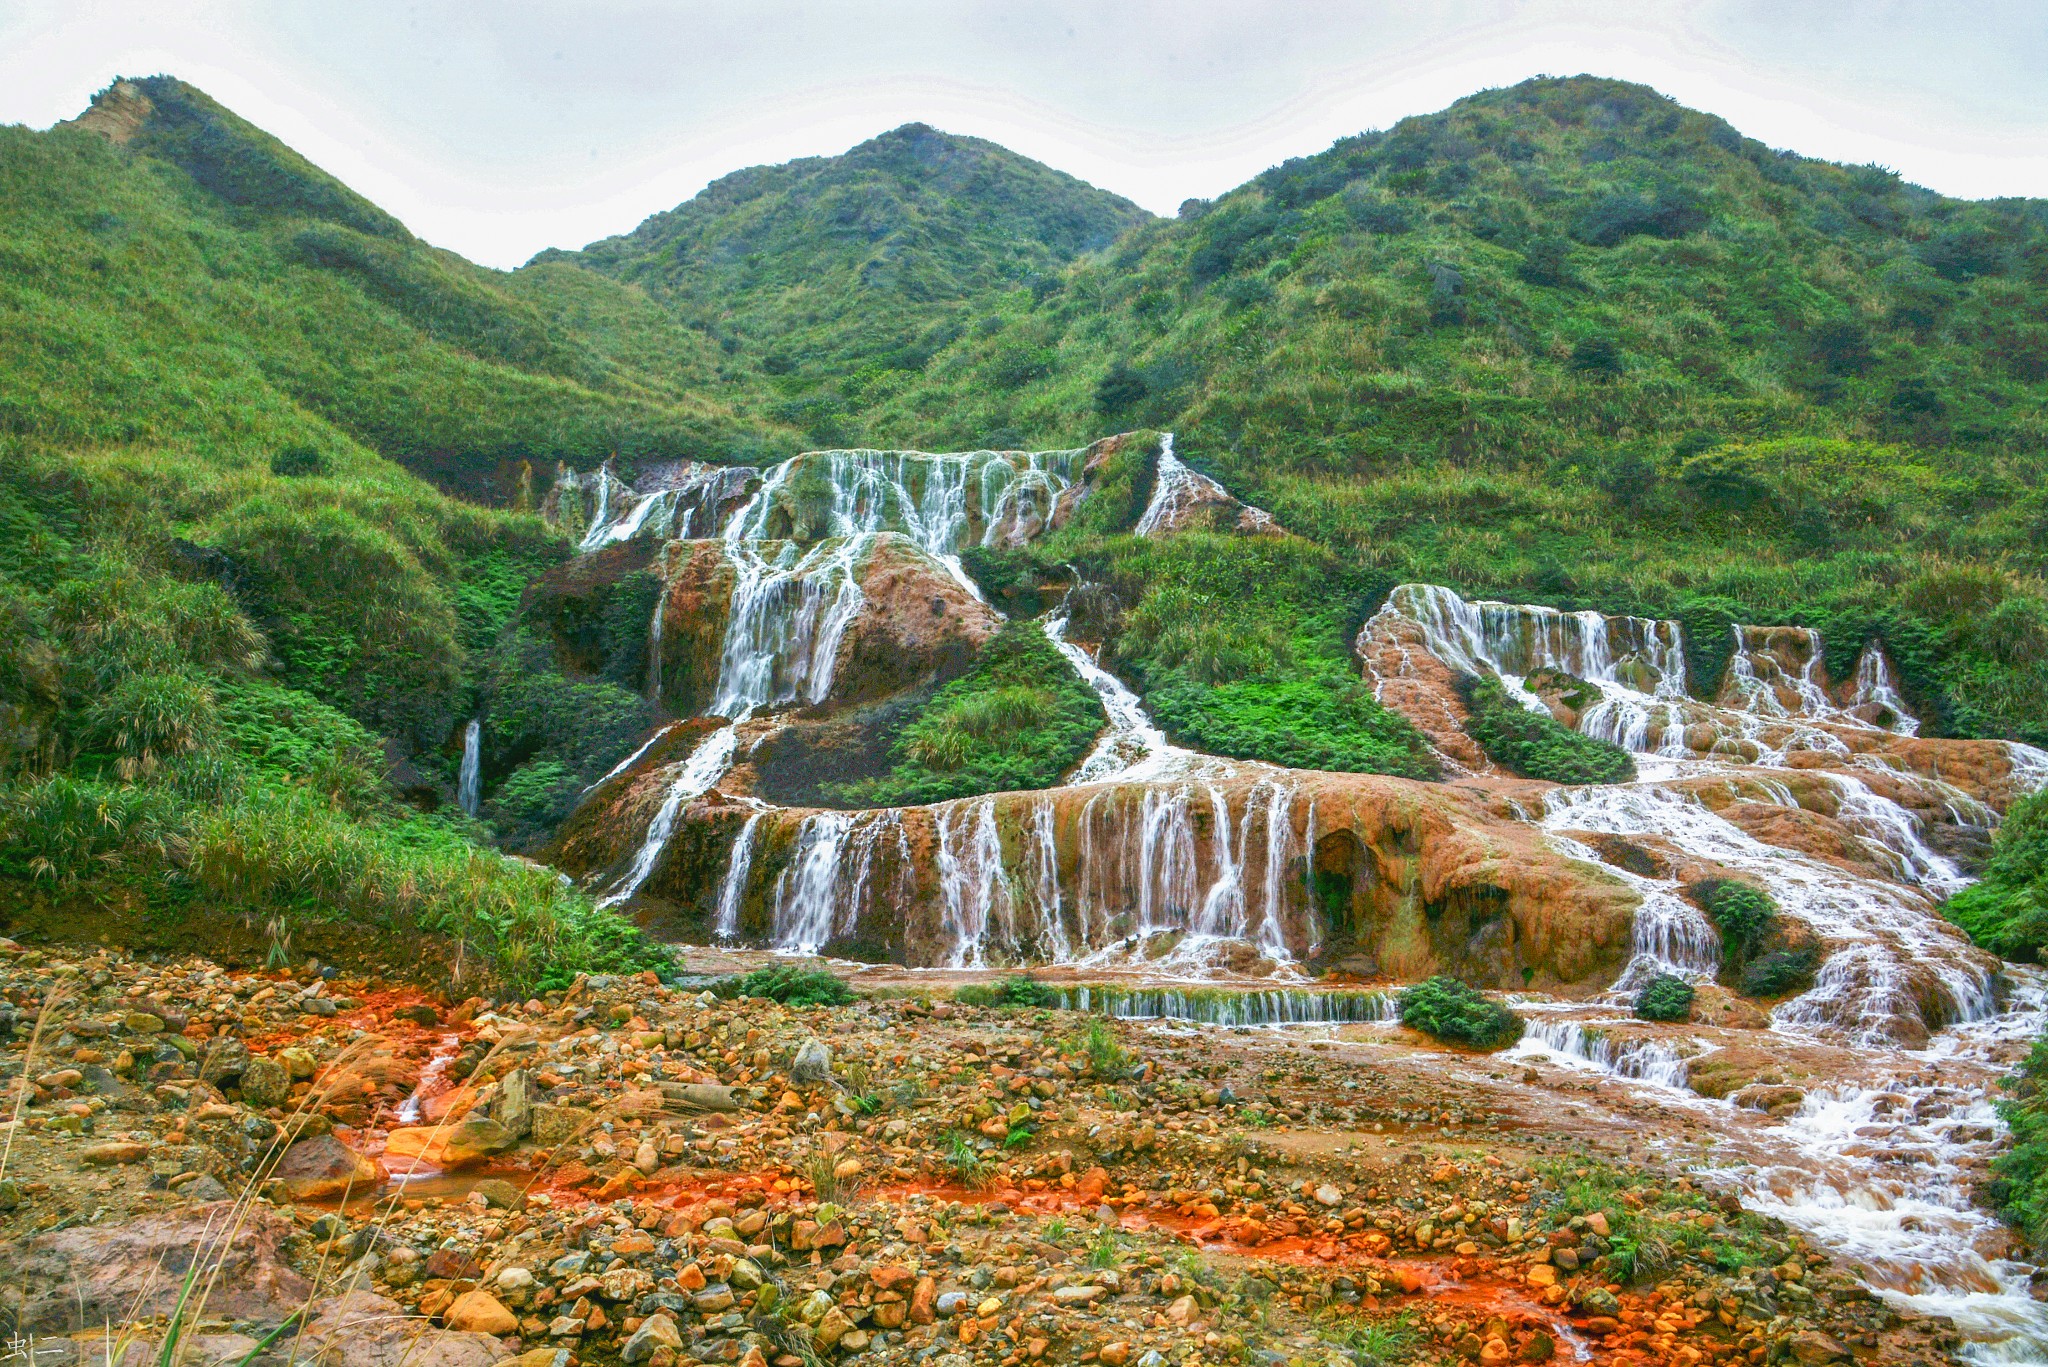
[[361, 1329], [465, 1143], [512, 1105], [83, 1278], [323, 1167], [482, 1313], [265, 1083], [812, 1065], [554, 1125]]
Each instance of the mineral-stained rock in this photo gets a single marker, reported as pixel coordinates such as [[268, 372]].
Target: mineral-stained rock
[[481, 1312], [84, 1277], [266, 1082], [361, 1329], [465, 1143], [323, 1167], [553, 1125]]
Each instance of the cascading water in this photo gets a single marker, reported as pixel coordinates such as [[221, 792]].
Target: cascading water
[[1133, 747], [1281, 1006], [1575, 1044], [1887, 950], [693, 778], [469, 779], [732, 888], [1635, 664]]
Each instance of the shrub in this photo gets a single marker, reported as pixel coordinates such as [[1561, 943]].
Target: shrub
[[1020, 718], [790, 985], [1447, 1009], [2006, 911], [2019, 1176], [1742, 913], [1781, 973], [1665, 998], [1533, 744], [1023, 991]]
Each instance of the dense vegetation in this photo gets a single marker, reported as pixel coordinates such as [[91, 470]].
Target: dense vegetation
[[1566, 342], [157, 768], [2019, 1181], [1025, 991], [1665, 997], [837, 280], [1447, 1009], [1534, 744], [2007, 911], [1019, 718]]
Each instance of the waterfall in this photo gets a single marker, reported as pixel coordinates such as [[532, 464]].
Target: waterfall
[[1878, 936], [666, 502], [1635, 664], [654, 628], [805, 894], [1571, 1043], [732, 888], [1133, 747], [831, 881], [693, 778], [1876, 697], [974, 893], [1211, 1006], [469, 781]]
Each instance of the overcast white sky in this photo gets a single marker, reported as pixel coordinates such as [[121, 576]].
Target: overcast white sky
[[500, 128]]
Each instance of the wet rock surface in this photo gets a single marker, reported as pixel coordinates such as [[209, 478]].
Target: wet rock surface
[[674, 1177]]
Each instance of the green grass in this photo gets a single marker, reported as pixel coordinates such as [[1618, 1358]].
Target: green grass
[[2006, 911], [1536, 745], [1447, 1009], [1019, 718]]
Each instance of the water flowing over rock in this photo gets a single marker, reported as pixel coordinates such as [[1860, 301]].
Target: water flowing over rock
[[1186, 500], [838, 580], [672, 501], [469, 779]]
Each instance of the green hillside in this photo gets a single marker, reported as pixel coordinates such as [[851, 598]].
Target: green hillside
[[858, 269], [267, 462], [1572, 342]]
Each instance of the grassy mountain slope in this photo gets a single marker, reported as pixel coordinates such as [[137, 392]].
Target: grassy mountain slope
[[1572, 342], [231, 607], [859, 268]]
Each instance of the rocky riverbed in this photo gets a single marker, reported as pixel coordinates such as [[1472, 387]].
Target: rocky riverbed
[[634, 1172]]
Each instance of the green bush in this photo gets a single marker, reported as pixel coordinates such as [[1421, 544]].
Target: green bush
[[1450, 1010], [1535, 745], [790, 985], [1780, 973], [1022, 991], [2019, 1176], [2006, 911], [1664, 998], [1743, 914]]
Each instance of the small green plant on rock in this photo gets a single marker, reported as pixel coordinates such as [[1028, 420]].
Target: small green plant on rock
[[1533, 744], [788, 984], [1665, 998], [1106, 1057], [1781, 973], [1447, 1009], [1020, 991]]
